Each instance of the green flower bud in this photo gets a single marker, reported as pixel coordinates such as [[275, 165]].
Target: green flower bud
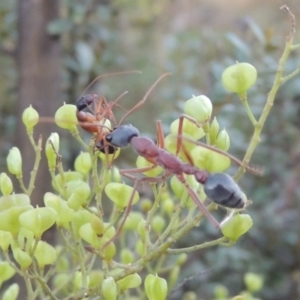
[[79, 192], [65, 117], [181, 259], [97, 225], [254, 282], [87, 233], [38, 220], [77, 281], [168, 206], [237, 226], [132, 220], [190, 296], [221, 292], [209, 160], [59, 182], [13, 200], [174, 273], [5, 240], [239, 77], [199, 108], [64, 213], [6, 185], [146, 205], [223, 140], [126, 256], [213, 130], [96, 278], [130, 282], [53, 141], [189, 128], [10, 218], [6, 271], [142, 230], [45, 254], [140, 248], [120, 194], [156, 287], [14, 161], [83, 163], [22, 258], [114, 175], [141, 162], [81, 217], [109, 289], [30, 118], [158, 224], [109, 251], [11, 293]]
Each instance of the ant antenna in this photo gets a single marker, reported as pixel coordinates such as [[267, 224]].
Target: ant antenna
[[110, 75], [140, 103]]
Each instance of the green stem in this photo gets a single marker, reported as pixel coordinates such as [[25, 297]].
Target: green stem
[[244, 100], [197, 247], [266, 110]]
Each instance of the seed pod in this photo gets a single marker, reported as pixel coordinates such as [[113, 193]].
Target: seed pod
[[213, 130], [83, 163], [5, 240], [11, 292], [156, 287], [141, 162], [6, 271], [189, 128], [22, 258], [126, 256], [65, 117], [158, 223], [129, 282], [45, 254], [237, 226], [239, 77], [199, 108], [223, 140], [109, 289]]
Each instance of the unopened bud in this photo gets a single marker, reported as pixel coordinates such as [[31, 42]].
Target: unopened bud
[[51, 149], [22, 258], [156, 287], [254, 282], [83, 163], [6, 185], [11, 293], [199, 108], [65, 117], [45, 254], [213, 130], [223, 140], [30, 118], [237, 226], [14, 161], [239, 78], [109, 289]]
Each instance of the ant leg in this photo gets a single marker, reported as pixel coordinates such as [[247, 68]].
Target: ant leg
[[160, 135], [197, 201], [180, 130], [142, 102]]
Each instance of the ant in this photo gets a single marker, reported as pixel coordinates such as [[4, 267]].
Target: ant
[[219, 187], [95, 123]]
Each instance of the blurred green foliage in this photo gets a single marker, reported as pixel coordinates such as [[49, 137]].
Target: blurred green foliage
[[101, 37]]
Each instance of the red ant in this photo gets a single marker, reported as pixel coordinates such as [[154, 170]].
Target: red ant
[[95, 123], [219, 187]]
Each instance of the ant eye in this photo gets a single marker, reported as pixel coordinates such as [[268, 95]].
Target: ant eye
[[108, 137]]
